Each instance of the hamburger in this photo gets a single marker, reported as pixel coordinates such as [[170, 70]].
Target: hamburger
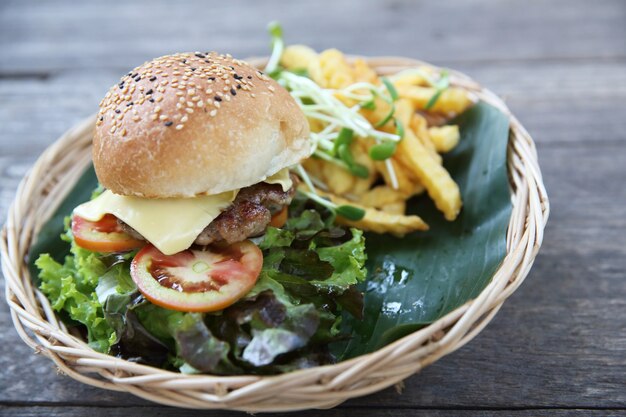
[[193, 149], [197, 252]]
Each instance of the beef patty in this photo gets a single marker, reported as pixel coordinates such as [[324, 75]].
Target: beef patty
[[247, 216]]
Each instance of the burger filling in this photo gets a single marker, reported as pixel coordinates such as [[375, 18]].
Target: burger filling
[[247, 216]]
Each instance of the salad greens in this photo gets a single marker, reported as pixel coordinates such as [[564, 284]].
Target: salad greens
[[309, 276]]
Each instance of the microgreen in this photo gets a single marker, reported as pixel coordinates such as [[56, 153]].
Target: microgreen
[[383, 150], [440, 86], [399, 128], [345, 210], [278, 45], [392, 90]]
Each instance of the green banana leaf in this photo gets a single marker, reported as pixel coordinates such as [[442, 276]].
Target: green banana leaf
[[421, 277], [417, 279]]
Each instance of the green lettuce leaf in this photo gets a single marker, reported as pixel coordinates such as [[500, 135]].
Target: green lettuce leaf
[[285, 322], [71, 286]]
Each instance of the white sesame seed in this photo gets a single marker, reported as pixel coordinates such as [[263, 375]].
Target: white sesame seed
[[178, 127], [213, 112], [189, 110], [163, 117]]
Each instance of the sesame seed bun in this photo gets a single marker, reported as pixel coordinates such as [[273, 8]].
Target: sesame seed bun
[[195, 123]]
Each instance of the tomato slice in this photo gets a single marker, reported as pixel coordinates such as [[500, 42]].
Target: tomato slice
[[105, 235], [197, 280], [279, 219]]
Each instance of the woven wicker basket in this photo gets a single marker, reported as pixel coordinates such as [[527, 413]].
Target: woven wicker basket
[[60, 166]]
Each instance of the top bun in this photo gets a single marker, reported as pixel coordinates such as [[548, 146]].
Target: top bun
[[195, 123]]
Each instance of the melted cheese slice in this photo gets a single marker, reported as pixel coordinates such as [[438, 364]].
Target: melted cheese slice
[[282, 178], [170, 224]]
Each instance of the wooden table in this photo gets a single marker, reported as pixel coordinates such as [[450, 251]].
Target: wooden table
[[558, 347]]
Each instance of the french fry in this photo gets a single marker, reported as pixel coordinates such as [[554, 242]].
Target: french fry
[[419, 127], [380, 196], [315, 125], [404, 111], [313, 167], [338, 179], [359, 152], [394, 208], [451, 100], [335, 70], [364, 73], [415, 124], [445, 138], [296, 57], [405, 185], [440, 186], [379, 113], [379, 221], [408, 78], [416, 187]]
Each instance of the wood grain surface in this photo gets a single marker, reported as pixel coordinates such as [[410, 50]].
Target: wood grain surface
[[557, 347]]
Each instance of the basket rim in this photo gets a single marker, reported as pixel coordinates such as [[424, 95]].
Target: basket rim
[[426, 345]]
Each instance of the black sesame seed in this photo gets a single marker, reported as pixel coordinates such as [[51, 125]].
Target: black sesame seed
[[152, 78], [212, 78], [118, 111], [237, 77], [138, 78], [193, 68], [101, 118], [231, 67], [217, 98], [238, 86], [249, 77], [233, 92], [184, 61], [207, 61], [168, 124], [130, 104], [149, 92], [200, 55], [151, 100], [134, 75]]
